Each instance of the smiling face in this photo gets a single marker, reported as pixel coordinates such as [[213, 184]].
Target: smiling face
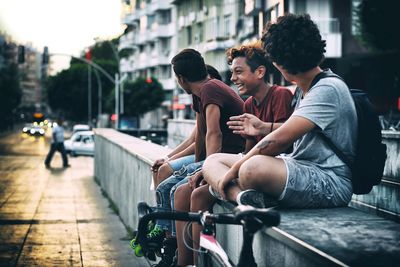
[[246, 81]]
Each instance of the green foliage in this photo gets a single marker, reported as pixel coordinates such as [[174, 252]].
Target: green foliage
[[10, 94], [142, 95], [68, 90], [378, 24]]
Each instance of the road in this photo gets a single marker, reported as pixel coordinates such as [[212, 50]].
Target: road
[[57, 216]]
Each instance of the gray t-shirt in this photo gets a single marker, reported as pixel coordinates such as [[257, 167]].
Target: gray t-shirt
[[329, 105]]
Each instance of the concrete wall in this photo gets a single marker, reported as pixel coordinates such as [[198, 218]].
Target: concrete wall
[[122, 167], [178, 130]]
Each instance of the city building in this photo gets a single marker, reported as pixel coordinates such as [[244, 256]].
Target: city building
[[150, 41]]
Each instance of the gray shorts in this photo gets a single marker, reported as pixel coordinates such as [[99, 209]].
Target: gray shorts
[[308, 186]]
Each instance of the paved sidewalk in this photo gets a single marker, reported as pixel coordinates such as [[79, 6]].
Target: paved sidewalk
[[58, 217]]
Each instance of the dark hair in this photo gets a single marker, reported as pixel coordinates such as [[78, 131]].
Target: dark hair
[[294, 42], [254, 54], [190, 64], [213, 72]]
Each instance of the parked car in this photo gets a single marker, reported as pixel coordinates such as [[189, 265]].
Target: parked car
[[80, 143], [80, 127]]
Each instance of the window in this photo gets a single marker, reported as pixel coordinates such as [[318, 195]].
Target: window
[[189, 35], [165, 16]]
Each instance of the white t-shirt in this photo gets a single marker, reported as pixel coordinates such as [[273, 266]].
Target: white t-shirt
[[58, 134]]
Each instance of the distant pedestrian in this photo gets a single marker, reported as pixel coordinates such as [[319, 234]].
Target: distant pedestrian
[[57, 144]]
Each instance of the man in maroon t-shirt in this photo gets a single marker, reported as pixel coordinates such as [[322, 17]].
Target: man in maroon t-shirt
[[270, 103], [214, 103]]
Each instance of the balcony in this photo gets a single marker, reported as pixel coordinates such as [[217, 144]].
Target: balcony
[[159, 5], [127, 41], [162, 30]]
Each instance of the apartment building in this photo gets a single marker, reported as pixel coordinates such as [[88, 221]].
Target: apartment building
[[149, 38], [158, 29]]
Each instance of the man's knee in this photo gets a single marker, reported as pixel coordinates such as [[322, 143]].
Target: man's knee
[[210, 162], [199, 199], [250, 175], [181, 197], [164, 172]]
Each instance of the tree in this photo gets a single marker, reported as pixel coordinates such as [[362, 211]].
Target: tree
[[142, 95], [10, 94], [68, 90], [378, 24]]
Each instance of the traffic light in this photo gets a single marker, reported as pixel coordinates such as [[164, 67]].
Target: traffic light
[[45, 56], [21, 54]]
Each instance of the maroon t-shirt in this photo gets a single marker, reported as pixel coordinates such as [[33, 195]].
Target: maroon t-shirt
[[230, 104], [275, 107]]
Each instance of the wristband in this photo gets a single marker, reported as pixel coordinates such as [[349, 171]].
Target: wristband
[[272, 127]]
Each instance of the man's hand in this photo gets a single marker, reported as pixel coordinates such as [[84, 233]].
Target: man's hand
[[196, 179], [157, 164], [246, 124], [229, 176]]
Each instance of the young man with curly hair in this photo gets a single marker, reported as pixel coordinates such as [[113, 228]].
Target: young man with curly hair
[[311, 175], [269, 103]]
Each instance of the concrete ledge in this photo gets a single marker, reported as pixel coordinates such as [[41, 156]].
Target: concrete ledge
[[320, 237], [122, 167]]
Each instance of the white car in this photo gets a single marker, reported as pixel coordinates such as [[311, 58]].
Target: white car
[[80, 143], [80, 127]]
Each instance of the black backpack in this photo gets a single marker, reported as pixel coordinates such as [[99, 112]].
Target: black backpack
[[369, 162]]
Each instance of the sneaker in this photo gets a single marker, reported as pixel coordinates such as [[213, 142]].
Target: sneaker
[[214, 193], [255, 198], [136, 247], [168, 253], [155, 237]]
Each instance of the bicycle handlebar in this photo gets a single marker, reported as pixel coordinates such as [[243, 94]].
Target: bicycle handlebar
[[240, 216]]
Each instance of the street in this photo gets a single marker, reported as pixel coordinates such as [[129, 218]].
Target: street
[[55, 217]]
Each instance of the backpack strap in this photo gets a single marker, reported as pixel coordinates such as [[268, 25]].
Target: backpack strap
[[338, 152]]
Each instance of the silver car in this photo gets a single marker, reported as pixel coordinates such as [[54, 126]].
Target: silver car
[[80, 143]]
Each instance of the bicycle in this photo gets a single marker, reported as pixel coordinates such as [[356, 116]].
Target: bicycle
[[211, 252]]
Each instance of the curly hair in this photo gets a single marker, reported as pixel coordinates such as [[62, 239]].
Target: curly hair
[[294, 42], [254, 54], [190, 64]]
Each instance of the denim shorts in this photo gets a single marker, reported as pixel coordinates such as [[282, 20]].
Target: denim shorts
[[308, 186], [166, 189], [177, 164]]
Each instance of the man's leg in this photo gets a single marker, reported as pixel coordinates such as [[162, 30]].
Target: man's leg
[[217, 165], [263, 173], [50, 155], [201, 199], [63, 155], [167, 169], [182, 203]]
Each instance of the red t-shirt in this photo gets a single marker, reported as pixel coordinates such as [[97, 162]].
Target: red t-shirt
[[230, 104], [275, 107]]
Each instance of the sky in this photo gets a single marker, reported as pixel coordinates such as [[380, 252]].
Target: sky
[[65, 26]]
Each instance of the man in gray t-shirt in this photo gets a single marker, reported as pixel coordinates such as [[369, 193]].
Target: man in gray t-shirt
[[57, 144], [312, 175]]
